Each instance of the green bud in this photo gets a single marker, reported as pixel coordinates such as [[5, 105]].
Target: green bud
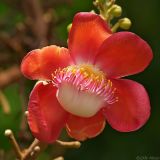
[[117, 11], [69, 27], [125, 23], [92, 11]]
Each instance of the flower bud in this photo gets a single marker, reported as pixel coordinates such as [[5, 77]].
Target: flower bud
[[125, 23], [69, 27], [117, 11]]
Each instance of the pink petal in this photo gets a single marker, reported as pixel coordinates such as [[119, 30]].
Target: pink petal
[[46, 117], [82, 128], [133, 108], [87, 34], [41, 63], [123, 54]]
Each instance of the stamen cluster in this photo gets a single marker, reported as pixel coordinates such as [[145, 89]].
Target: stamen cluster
[[88, 79]]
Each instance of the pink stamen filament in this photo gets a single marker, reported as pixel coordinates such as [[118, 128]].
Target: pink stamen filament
[[102, 87]]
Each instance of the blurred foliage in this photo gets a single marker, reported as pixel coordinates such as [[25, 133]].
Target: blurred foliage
[[110, 145]]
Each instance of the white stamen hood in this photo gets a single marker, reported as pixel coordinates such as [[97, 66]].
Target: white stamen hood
[[78, 102]]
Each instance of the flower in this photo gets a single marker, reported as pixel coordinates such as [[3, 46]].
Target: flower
[[80, 87]]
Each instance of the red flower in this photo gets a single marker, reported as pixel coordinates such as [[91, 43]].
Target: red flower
[[80, 87]]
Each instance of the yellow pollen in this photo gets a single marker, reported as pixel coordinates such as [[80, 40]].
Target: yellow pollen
[[88, 71]]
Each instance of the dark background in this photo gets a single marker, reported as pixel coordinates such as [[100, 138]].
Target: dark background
[[110, 145]]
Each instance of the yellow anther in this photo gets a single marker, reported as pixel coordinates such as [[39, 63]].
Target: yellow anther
[[88, 71], [97, 77], [85, 75]]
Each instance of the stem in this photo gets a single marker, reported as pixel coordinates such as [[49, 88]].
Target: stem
[[10, 135], [33, 151], [74, 144], [115, 27]]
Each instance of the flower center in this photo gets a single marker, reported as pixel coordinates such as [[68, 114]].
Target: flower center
[[83, 89]]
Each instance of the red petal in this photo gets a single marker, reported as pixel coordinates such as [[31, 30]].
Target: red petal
[[46, 117], [41, 63], [133, 108], [87, 34], [83, 128], [123, 54]]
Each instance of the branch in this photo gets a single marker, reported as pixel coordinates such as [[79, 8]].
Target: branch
[[50, 3], [9, 76], [4, 102], [33, 151], [12, 43], [5, 58], [34, 13]]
